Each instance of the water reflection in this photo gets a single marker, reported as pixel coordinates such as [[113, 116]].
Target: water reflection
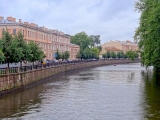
[[151, 103], [19, 103]]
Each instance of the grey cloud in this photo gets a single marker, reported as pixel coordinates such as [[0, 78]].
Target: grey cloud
[[112, 19]]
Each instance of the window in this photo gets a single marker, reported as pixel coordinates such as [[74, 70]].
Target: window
[[28, 33], [23, 32], [14, 31], [50, 47], [49, 55]]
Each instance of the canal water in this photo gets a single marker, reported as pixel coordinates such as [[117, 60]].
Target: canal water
[[122, 92]]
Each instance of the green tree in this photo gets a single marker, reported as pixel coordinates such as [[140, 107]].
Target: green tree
[[66, 55], [113, 54], [119, 55], [36, 52], [86, 53], [108, 54], [131, 54], [2, 58], [95, 40], [136, 55], [12, 53], [122, 54], [81, 39], [95, 52], [62, 56], [100, 48], [26, 51], [104, 55], [148, 33], [58, 55], [125, 55]]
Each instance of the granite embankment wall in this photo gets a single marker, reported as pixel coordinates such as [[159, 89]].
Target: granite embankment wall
[[10, 82]]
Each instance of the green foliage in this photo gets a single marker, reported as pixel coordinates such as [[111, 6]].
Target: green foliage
[[108, 54], [95, 52], [125, 56], [131, 54], [81, 39], [99, 48], [104, 55], [14, 49], [148, 33], [1, 56], [86, 53], [66, 55], [113, 54], [95, 40], [36, 52], [10, 48], [26, 52], [62, 56], [120, 54], [59, 56], [89, 53]]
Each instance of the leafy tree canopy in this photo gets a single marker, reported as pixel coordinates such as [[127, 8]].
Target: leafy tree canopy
[[13, 49], [132, 54], [81, 39], [66, 55], [148, 33], [58, 55]]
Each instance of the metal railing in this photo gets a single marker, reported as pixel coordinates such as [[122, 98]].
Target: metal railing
[[48, 64]]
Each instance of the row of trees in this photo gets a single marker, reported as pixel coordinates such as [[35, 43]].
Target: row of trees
[[14, 49], [64, 56], [89, 45], [148, 33], [129, 54]]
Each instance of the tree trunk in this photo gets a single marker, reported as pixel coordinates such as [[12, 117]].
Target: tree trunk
[[8, 64]]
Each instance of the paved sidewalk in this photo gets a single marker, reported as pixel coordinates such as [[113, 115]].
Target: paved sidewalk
[[14, 65]]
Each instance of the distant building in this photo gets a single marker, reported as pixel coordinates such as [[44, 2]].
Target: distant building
[[49, 40], [118, 46]]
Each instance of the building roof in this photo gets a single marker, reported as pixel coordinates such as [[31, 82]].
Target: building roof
[[74, 45], [127, 42], [112, 48], [9, 21]]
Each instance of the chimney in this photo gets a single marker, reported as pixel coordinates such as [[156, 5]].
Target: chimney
[[32, 24], [20, 21], [61, 33], [43, 28], [1, 17], [9, 18], [14, 19], [26, 23]]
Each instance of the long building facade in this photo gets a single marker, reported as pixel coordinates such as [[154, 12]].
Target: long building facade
[[49, 40], [118, 46]]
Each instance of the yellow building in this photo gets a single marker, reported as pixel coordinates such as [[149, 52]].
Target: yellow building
[[118, 46], [48, 39]]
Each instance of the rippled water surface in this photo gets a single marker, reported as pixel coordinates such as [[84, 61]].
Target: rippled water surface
[[122, 92]]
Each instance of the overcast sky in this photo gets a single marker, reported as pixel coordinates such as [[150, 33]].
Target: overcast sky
[[111, 19]]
